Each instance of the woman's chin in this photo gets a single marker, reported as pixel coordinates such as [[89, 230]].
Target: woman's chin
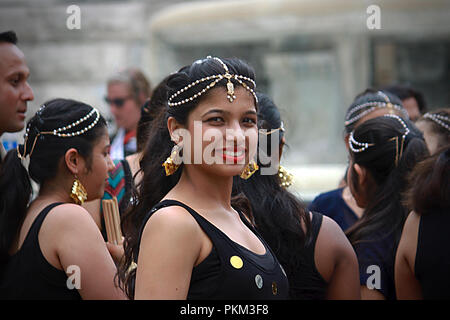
[[227, 170]]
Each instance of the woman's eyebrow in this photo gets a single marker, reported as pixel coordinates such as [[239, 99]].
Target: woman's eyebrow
[[215, 111], [250, 112]]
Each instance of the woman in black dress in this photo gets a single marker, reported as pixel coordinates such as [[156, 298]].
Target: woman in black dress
[[183, 232], [51, 248], [383, 151], [423, 257]]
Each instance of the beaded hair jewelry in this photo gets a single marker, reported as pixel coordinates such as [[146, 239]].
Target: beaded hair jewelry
[[398, 154], [441, 120], [372, 106], [265, 132], [364, 145], [60, 132], [230, 86]]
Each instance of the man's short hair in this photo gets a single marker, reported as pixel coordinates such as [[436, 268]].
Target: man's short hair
[[8, 36], [405, 92]]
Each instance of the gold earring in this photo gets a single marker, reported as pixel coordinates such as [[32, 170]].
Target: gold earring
[[78, 193], [249, 170], [286, 178], [173, 162]]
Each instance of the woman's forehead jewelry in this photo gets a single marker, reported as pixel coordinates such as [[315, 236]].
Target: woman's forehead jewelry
[[215, 79], [441, 120], [62, 131], [372, 106]]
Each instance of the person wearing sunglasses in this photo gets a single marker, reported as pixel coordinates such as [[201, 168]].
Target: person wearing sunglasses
[[127, 91]]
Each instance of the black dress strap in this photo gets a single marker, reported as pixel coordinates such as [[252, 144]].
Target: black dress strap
[[316, 223], [206, 226], [33, 232]]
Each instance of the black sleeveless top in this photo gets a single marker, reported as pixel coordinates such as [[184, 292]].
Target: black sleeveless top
[[305, 282], [28, 275], [231, 271], [432, 266]]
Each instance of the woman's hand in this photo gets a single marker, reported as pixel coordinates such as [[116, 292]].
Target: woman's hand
[[116, 251]]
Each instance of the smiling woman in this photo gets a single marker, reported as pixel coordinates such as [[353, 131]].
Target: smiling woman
[[183, 232]]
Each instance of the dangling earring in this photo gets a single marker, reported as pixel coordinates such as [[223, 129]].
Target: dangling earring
[[286, 178], [78, 193], [249, 170], [173, 162]]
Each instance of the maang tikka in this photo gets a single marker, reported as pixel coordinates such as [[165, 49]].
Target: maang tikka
[[213, 80]]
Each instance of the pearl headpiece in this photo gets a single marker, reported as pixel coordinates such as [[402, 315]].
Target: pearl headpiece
[[216, 78], [360, 146], [356, 146], [441, 120], [372, 106], [62, 131]]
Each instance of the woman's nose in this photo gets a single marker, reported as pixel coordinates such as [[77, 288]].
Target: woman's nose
[[235, 133], [111, 165]]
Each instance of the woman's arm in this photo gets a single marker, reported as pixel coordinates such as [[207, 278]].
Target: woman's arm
[[336, 261], [406, 284], [170, 246], [79, 244]]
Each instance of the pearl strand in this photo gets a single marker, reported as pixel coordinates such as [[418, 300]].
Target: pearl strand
[[217, 78], [363, 145], [56, 132], [438, 119]]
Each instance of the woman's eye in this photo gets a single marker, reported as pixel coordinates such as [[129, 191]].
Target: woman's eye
[[216, 119], [249, 121]]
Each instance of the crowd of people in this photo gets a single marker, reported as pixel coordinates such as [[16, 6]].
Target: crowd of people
[[205, 206]]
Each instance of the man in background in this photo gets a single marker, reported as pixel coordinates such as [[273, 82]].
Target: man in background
[[127, 91], [15, 92], [413, 100]]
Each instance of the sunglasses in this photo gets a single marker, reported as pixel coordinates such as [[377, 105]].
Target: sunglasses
[[118, 102]]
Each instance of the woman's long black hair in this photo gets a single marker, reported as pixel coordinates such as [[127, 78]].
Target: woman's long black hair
[[155, 184], [278, 214], [15, 183], [429, 184], [385, 213]]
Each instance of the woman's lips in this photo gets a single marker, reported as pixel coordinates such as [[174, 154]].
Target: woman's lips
[[233, 156]]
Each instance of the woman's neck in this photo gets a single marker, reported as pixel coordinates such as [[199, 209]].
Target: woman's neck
[[351, 202], [55, 192], [203, 188]]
